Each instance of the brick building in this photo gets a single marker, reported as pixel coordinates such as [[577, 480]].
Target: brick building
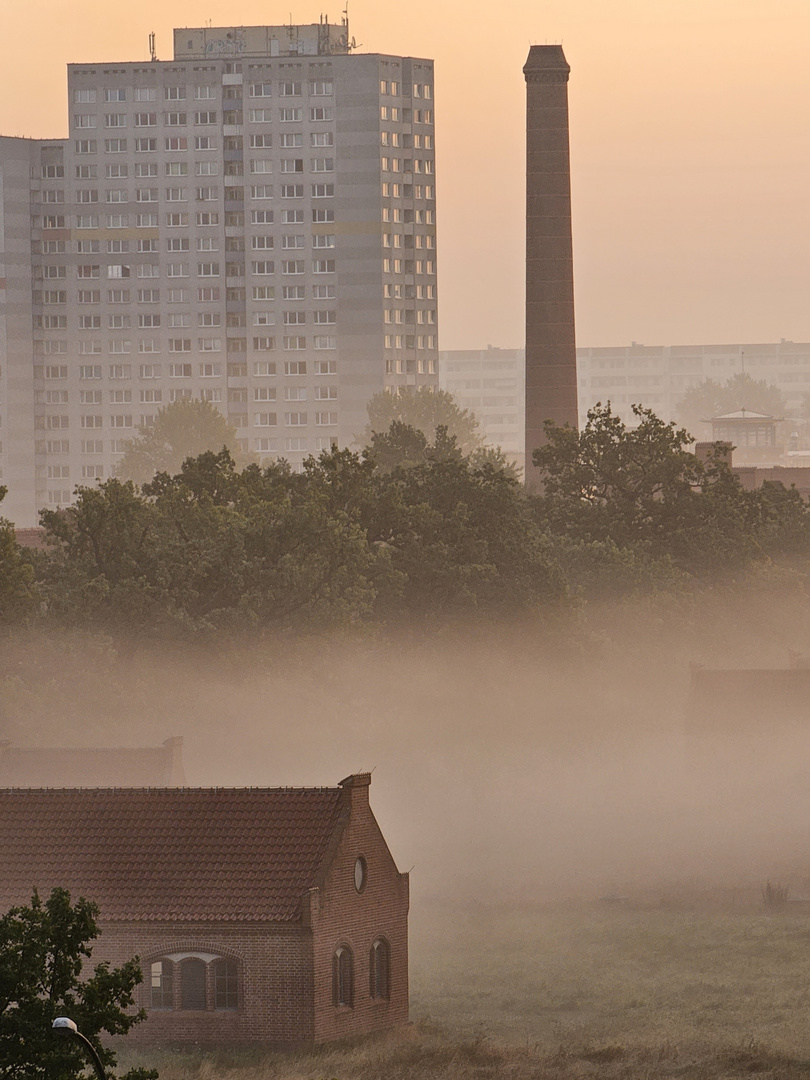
[[272, 916]]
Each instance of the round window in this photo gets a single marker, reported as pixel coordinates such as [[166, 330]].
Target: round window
[[360, 873]]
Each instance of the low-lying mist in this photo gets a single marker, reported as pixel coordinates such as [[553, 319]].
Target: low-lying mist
[[518, 764]]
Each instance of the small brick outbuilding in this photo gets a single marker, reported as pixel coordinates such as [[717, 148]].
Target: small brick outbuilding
[[272, 916]]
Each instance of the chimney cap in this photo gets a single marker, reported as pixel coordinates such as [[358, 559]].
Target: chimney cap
[[546, 58]]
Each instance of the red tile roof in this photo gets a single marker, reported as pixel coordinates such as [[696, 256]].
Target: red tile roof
[[169, 854]]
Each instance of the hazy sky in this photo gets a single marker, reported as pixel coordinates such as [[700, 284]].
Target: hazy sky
[[690, 140]]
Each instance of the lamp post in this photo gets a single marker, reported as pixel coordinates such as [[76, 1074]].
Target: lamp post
[[64, 1027]]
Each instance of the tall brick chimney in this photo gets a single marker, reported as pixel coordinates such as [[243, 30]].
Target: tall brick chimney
[[551, 359]]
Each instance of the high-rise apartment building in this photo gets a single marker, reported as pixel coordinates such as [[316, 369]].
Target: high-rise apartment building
[[251, 223]]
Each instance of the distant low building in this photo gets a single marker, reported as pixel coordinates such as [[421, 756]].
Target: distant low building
[[68, 767]]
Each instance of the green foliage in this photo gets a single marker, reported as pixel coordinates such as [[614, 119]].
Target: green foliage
[[711, 398], [412, 529], [18, 594], [426, 410], [42, 950], [184, 429], [639, 488]]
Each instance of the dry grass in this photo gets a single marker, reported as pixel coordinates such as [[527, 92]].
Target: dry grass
[[573, 994]]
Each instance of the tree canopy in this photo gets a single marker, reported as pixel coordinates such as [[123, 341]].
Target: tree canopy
[[426, 410], [410, 530], [711, 398], [183, 429], [43, 948]]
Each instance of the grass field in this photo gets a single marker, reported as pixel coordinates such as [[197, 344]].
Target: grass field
[[574, 993]]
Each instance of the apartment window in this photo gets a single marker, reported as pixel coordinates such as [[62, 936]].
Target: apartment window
[[261, 191], [260, 116], [120, 371], [119, 322], [206, 168], [326, 367], [325, 341], [210, 371], [114, 120], [292, 191], [263, 292], [207, 217], [174, 93], [261, 89], [202, 118], [90, 397], [145, 93], [145, 146], [118, 296], [179, 371], [176, 143], [91, 421], [149, 397], [295, 419], [295, 367], [204, 142], [291, 116], [294, 318], [323, 164], [148, 322], [179, 345], [323, 266], [326, 393], [120, 397], [293, 266], [321, 138], [57, 221], [264, 368], [264, 393], [148, 296], [325, 317], [323, 191], [115, 146], [144, 195], [263, 217], [326, 419], [290, 89], [264, 344], [84, 120], [320, 113], [292, 241], [115, 94], [89, 348], [147, 221], [84, 97], [208, 295], [89, 322], [92, 446], [293, 292], [207, 194], [56, 371], [146, 168], [86, 146], [209, 344], [323, 240]]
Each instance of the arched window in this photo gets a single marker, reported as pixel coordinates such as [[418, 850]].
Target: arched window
[[225, 995], [343, 976], [192, 984], [162, 984], [379, 969]]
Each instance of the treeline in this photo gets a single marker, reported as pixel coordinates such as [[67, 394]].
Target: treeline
[[409, 531]]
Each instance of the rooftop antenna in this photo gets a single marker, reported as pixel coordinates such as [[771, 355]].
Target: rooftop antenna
[[152, 53], [742, 385]]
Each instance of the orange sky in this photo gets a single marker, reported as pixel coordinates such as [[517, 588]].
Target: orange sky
[[690, 139]]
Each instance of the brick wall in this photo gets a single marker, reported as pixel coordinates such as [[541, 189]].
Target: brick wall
[[341, 915], [274, 979]]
